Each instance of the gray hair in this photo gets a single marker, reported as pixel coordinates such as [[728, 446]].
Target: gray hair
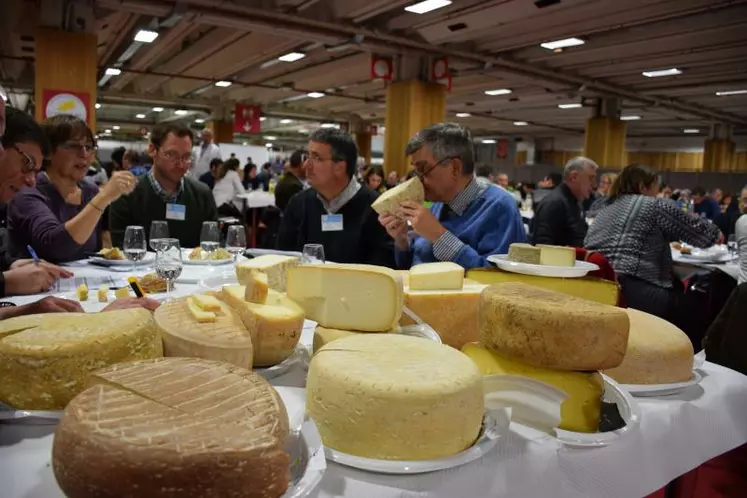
[[446, 141], [577, 164]]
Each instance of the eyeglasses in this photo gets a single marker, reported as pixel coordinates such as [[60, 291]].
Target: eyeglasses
[[174, 157], [427, 170], [79, 148], [29, 163], [316, 159]]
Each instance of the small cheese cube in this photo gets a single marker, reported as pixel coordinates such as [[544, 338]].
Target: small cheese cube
[[198, 313], [82, 292], [256, 287], [206, 303], [436, 276], [103, 294], [122, 292]]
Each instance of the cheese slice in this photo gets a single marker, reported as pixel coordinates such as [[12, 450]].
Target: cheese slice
[[200, 315], [349, 297], [256, 288], [274, 265], [394, 397], [223, 339], [46, 361], [82, 292], [557, 255], [275, 326], [658, 352], [122, 292], [580, 412], [553, 330], [436, 276], [206, 302], [389, 201], [103, 294], [524, 253], [177, 427]]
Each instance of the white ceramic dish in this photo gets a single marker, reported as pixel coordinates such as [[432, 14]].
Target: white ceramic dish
[[299, 357], [495, 425], [261, 252], [149, 259], [654, 390], [203, 262], [579, 270]]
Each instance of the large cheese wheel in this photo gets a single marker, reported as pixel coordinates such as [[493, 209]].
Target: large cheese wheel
[[275, 266], [174, 427], [348, 297], [550, 329], [46, 359], [275, 326], [394, 397], [658, 352], [225, 339]]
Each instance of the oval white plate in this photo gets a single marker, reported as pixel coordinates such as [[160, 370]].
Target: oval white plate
[[653, 390], [150, 258], [423, 331], [300, 356], [579, 270], [261, 252], [495, 424], [203, 262]]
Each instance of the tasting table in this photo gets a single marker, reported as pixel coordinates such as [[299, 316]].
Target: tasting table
[[676, 434]]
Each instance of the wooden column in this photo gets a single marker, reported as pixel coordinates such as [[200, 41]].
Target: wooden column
[[718, 155], [363, 141], [605, 141], [222, 131]]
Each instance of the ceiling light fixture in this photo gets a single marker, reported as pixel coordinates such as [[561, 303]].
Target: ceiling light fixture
[[330, 125], [223, 84], [427, 6], [286, 121], [108, 131], [463, 114], [488, 141], [520, 123], [315, 95], [199, 121], [499, 91], [158, 109], [629, 118], [268, 145], [672, 71], [115, 127], [98, 106], [113, 71], [564, 43], [146, 36], [569, 106], [291, 57], [262, 118], [180, 112], [268, 137], [140, 116], [731, 92], [691, 130]]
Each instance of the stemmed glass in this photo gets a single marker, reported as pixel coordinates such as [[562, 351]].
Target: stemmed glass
[[209, 238], [158, 230], [236, 240], [169, 263], [134, 244], [731, 244], [313, 254]]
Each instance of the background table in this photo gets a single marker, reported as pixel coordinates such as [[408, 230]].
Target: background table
[[254, 200]]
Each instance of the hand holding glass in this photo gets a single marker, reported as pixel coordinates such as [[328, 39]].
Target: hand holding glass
[[134, 244], [236, 240], [158, 230], [169, 262]]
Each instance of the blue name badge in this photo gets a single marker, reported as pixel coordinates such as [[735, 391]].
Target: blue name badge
[[331, 222], [176, 212]]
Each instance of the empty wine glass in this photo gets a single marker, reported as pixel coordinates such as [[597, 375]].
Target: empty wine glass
[[731, 244], [209, 238], [134, 244], [313, 254], [158, 230], [169, 263], [236, 240]]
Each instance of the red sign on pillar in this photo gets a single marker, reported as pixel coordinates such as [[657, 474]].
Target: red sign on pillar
[[55, 102], [246, 119], [501, 148], [381, 67]]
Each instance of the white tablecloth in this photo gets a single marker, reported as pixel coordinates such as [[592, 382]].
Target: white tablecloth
[[731, 268], [256, 199]]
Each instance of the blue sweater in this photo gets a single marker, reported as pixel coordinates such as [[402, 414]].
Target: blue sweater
[[489, 225]]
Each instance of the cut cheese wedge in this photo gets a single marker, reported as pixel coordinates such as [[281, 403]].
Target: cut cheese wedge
[[256, 288], [274, 265], [103, 294], [198, 313], [45, 361], [122, 292], [223, 339], [557, 255], [178, 427], [82, 292], [436, 276], [348, 297], [389, 201], [275, 326], [207, 303]]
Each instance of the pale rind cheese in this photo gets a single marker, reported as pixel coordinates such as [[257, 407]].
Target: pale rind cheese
[[82, 292], [557, 255], [122, 292], [198, 313], [443, 275], [520, 252], [103, 294], [173, 428], [275, 266], [580, 412], [550, 329], [348, 297], [257, 287], [394, 397], [323, 336], [275, 326], [658, 352], [224, 339], [46, 359], [389, 201], [207, 302]]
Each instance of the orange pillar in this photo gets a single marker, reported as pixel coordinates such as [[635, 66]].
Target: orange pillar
[[604, 142], [718, 155], [222, 131], [363, 141]]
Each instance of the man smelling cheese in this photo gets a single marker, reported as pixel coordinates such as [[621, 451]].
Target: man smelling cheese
[[389, 201]]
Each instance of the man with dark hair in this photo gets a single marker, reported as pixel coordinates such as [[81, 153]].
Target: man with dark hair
[[292, 182], [165, 193], [705, 205], [211, 176], [336, 211]]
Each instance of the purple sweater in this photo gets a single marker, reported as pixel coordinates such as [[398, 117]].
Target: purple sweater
[[37, 216]]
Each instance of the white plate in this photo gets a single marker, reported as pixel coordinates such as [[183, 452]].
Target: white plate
[[579, 270], [261, 252], [300, 356], [653, 390], [218, 280], [495, 425], [149, 259], [203, 262]]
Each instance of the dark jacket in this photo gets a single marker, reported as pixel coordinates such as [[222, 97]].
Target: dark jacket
[[558, 220], [725, 342], [288, 186]]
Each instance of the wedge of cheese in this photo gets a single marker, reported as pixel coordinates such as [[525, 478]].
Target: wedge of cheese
[[524, 253], [103, 294], [199, 314], [348, 297], [453, 314], [389, 201], [553, 330], [206, 302], [274, 266], [82, 292], [275, 326], [580, 412], [436, 276], [122, 292], [222, 338], [394, 397], [557, 255], [45, 361], [177, 427], [658, 352], [256, 288]]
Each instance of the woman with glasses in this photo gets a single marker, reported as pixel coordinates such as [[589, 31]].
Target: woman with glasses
[[61, 218]]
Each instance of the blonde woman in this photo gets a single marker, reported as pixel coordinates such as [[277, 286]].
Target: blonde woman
[[601, 195]]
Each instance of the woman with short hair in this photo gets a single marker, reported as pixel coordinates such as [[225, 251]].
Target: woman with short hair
[[227, 186]]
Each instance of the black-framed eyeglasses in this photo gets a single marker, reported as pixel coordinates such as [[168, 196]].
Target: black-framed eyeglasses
[[29, 163], [427, 170], [79, 148]]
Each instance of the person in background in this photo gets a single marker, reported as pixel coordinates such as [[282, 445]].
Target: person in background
[[634, 232], [62, 217], [276, 167], [97, 174], [725, 202], [373, 178], [227, 186], [705, 205], [336, 211], [468, 221], [665, 192], [209, 178], [740, 231], [545, 186], [600, 196], [502, 180], [291, 182], [165, 192], [392, 179], [558, 218], [203, 154], [485, 173], [717, 195], [250, 172]]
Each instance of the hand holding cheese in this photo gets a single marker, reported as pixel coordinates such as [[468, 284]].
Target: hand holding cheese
[[390, 201]]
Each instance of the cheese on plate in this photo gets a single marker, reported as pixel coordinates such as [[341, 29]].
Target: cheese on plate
[[658, 352], [389, 201], [46, 360], [553, 330], [524, 253], [174, 427], [436, 276], [348, 297], [394, 397], [274, 266], [557, 255]]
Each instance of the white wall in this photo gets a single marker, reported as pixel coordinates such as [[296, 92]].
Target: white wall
[[259, 155]]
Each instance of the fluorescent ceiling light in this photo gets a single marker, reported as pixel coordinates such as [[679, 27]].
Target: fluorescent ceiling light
[[629, 118], [146, 36], [303, 130], [268, 145], [427, 6], [488, 141], [98, 106], [108, 131], [286, 121], [113, 71], [140, 116], [330, 125], [262, 118], [691, 130], [662, 72], [223, 84], [115, 127], [315, 95], [520, 123], [199, 121], [731, 92], [569, 106], [564, 43], [270, 138], [180, 112], [291, 57], [158, 109], [499, 91], [463, 114]]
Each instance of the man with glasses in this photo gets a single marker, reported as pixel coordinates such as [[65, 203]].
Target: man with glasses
[[166, 192], [468, 221], [336, 211]]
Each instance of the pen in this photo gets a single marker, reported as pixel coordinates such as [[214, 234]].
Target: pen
[[136, 286], [33, 254]]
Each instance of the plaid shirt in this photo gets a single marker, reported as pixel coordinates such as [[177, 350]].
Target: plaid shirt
[[167, 198], [448, 245]]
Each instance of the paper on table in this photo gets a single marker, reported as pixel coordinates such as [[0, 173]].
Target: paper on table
[[93, 283]]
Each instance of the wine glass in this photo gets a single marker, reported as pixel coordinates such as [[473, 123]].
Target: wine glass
[[134, 244], [731, 244], [158, 230], [209, 238], [169, 263], [313, 254], [236, 240]]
